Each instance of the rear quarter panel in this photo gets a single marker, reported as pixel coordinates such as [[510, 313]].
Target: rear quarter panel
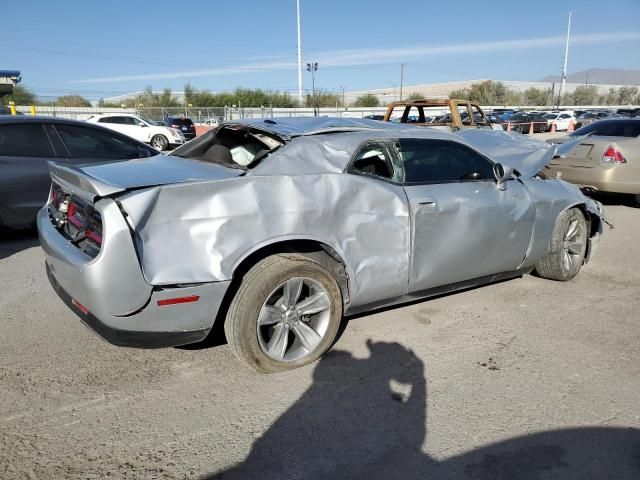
[[200, 232]]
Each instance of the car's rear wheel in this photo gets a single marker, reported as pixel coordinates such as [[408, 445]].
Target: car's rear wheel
[[567, 247], [159, 142], [285, 314]]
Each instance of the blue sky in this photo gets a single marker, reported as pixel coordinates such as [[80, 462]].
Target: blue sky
[[100, 49]]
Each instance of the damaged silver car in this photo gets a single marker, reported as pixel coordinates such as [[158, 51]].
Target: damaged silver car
[[277, 228]]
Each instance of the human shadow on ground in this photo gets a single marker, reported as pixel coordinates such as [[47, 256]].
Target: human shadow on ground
[[366, 419], [14, 241]]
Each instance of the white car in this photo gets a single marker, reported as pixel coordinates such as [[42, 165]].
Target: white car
[[560, 120], [209, 122], [142, 129]]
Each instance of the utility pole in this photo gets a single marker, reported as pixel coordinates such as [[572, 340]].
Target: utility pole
[[313, 68], [401, 78], [566, 59], [299, 55], [343, 87]]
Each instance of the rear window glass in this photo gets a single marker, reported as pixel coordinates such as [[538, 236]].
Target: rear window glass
[[24, 141], [610, 128], [179, 121], [88, 143]]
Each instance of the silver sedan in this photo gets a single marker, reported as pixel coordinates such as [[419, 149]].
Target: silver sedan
[[277, 228]]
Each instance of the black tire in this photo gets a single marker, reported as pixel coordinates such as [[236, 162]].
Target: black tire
[[564, 258], [257, 286], [159, 142]]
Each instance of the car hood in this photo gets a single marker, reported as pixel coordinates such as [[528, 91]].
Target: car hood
[[526, 155], [103, 179]]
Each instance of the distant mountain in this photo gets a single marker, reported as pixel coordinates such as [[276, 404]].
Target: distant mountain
[[600, 76]]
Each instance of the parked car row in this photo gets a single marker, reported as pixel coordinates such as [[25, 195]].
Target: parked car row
[[561, 120], [156, 134]]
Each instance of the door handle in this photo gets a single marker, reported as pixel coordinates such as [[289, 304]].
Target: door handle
[[426, 201]]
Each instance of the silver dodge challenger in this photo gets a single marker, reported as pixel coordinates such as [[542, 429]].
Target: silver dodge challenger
[[277, 228]]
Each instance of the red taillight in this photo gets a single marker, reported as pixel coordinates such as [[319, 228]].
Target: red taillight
[[175, 126], [77, 218], [177, 300], [95, 237], [613, 155]]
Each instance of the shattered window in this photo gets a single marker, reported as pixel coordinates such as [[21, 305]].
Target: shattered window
[[373, 159]]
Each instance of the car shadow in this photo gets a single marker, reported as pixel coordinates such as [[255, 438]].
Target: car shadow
[[366, 419], [14, 241]]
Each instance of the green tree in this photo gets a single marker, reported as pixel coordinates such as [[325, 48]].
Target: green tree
[[72, 101], [488, 93], [324, 99], [537, 96], [610, 98], [20, 96], [415, 96], [627, 95], [460, 94], [583, 95], [367, 100]]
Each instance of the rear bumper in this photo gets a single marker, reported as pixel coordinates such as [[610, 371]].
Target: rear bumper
[[126, 338], [110, 295], [608, 178]]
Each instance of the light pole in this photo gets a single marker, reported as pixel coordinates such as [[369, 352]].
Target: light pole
[[566, 59], [313, 68], [299, 53]]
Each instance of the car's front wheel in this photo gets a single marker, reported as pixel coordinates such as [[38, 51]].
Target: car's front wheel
[[567, 247], [159, 142], [285, 314]]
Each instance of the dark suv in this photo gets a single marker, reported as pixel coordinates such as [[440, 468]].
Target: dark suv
[[184, 124]]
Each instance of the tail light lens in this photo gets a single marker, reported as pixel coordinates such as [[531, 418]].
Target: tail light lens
[[84, 221], [613, 156]]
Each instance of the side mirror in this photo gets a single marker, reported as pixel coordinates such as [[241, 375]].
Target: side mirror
[[502, 174], [142, 124]]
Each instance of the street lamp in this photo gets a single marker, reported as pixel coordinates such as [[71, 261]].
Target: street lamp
[[313, 67]]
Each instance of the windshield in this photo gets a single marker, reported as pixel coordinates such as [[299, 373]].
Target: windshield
[[550, 116]]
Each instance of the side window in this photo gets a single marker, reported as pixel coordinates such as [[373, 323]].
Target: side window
[[87, 143], [373, 159], [131, 120], [24, 141], [440, 161], [110, 120]]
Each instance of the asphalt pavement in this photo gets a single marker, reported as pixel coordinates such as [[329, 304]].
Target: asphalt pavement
[[523, 379]]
